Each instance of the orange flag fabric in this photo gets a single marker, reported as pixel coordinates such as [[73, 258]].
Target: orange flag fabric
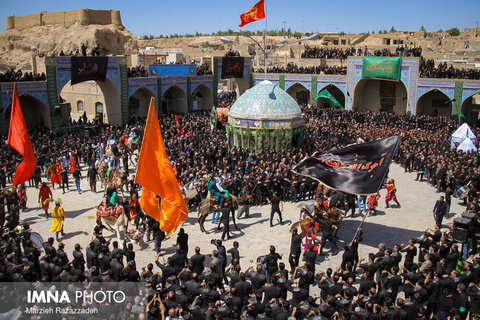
[[155, 174], [19, 140], [255, 13]]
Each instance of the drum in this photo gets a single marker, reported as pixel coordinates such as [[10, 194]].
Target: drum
[[37, 240], [462, 192]]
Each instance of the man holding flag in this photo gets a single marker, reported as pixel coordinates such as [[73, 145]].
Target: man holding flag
[[155, 174]]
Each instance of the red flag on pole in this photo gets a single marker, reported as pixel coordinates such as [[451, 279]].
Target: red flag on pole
[[257, 12], [19, 140]]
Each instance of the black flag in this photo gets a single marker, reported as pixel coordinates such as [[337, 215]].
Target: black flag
[[88, 68], [232, 67], [356, 169]]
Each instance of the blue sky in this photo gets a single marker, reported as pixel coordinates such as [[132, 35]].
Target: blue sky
[[166, 17]]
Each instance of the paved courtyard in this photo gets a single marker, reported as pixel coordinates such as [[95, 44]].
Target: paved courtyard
[[392, 225]]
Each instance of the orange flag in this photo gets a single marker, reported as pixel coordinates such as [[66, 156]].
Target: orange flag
[[255, 13], [155, 174], [19, 140]]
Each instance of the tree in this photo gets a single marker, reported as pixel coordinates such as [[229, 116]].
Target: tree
[[289, 31], [392, 30], [422, 28], [453, 32]]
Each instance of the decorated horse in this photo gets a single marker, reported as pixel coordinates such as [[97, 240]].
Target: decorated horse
[[113, 216], [333, 214], [116, 179]]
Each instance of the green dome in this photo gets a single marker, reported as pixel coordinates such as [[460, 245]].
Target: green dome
[[265, 101]]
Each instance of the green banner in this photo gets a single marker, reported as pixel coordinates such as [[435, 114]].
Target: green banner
[[382, 68], [327, 95]]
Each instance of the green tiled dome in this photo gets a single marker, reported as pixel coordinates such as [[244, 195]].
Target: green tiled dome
[[265, 101]]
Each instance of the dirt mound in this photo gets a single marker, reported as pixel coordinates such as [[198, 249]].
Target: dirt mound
[[18, 47]]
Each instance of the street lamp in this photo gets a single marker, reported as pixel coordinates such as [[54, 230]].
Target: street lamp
[[263, 49]]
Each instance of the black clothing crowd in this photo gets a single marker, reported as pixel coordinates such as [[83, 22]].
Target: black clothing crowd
[[424, 279], [342, 54]]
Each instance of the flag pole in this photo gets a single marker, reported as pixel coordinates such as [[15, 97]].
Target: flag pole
[[266, 31]]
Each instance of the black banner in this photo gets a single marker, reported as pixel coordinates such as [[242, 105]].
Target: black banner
[[232, 67], [356, 169], [89, 68]]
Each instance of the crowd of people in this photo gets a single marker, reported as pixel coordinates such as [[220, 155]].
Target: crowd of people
[[426, 278], [137, 72], [293, 68], [343, 54], [12, 75], [443, 71], [226, 98]]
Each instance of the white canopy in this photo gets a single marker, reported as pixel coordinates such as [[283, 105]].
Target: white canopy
[[467, 145], [461, 134]]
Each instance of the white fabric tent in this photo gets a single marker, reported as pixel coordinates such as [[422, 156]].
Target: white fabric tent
[[461, 134], [467, 145]]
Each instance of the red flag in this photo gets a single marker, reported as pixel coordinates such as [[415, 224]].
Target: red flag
[[257, 12], [19, 140], [73, 164]]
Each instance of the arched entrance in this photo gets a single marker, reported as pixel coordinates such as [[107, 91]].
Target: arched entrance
[[241, 85], [174, 101], [471, 109], [91, 93], [335, 92], [434, 102], [202, 98], [139, 102], [380, 95], [34, 112], [299, 93]]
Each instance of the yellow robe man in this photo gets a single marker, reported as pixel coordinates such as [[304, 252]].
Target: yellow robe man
[[58, 215]]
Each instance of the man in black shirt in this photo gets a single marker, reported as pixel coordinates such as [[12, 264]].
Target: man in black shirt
[[276, 203], [197, 261], [235, 260], [92, 178], [295, 250]]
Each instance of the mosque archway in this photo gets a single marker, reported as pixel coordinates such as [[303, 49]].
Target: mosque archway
[[139, 102], [174, 101], [298, 92], [335, 92], [202, 98], [34, 112], [380, 95], [434, 102], [91, 93], [471, 109]]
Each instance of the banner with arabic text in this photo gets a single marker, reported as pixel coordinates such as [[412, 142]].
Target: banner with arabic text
[[382, 68], [357, 169], [232, 67]]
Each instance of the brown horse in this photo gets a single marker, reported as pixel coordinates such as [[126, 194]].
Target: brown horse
[[206, 206]]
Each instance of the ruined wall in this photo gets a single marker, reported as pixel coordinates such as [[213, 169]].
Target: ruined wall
[[65, 18]]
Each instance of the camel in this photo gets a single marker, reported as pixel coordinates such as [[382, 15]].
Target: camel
[[113, 216]]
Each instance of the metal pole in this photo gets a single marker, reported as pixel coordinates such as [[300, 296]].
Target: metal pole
[[265, 48], [360, 225]]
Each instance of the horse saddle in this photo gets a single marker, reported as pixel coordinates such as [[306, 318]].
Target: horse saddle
[[105, 212]]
